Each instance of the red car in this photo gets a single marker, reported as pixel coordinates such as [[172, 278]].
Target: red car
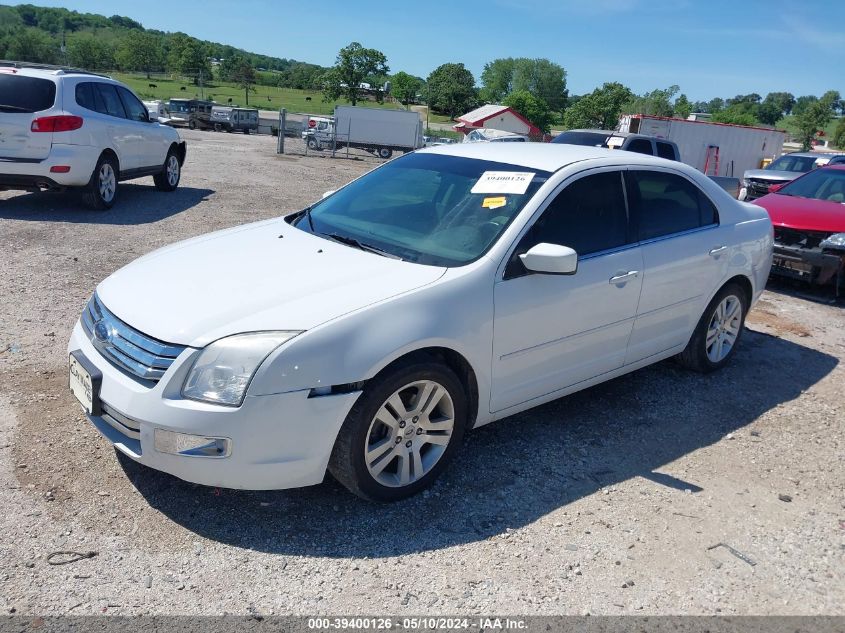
[[808, 215]]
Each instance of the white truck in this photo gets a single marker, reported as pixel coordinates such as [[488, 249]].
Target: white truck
[[715, 149], [379, 131]]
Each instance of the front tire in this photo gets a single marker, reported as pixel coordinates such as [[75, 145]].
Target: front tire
[[401, 433], [100, 192], [718, 332], [170, 174]]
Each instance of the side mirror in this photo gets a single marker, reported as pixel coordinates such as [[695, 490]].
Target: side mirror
[[552, 259], [774, 188], [328, 193]]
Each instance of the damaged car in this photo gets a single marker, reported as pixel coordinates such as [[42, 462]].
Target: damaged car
[[808, 216]]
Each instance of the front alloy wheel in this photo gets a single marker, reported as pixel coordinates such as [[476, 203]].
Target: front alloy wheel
[[168, 178], [402, 431]]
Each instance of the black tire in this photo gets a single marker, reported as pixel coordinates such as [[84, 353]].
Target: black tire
[[94, 196], [384, 152], [695, 355], [347, 463], [313, 144], [165, 180], [192, 125], [218, 127]]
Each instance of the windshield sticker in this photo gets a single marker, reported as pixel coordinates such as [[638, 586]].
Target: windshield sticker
[[494, 203], [615, 141], [515, 182]]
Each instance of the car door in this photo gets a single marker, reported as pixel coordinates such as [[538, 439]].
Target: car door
[[146, 136], [684, 257], [123, 136], [555, 331]]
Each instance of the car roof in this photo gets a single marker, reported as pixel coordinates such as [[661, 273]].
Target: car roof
[[46, 71], [815, 154], [542, 156]]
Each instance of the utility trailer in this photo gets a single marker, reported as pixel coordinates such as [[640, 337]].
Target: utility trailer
[[715, 149], [379, 131]]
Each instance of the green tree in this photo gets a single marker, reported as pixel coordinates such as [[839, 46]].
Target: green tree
[[86, 51], [838, 138], [189, 58], [243, 76], [451, 89], [353, 64], [32, 45], [140, 51], [783, 102], [405, 87], [535, 110], [599, 109], [683, 107], [815, 116], [657, 102], [802, 103], [736, 115], [541, 77]]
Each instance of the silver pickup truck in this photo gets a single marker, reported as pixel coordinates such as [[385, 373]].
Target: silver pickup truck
[[642, 144]]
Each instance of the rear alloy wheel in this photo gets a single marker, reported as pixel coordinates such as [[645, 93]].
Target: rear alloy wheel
[[101, 190], [718, 331], [401, 433], [170, 174], [313, 144]]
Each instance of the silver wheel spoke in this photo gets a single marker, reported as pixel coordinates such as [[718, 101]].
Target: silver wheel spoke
[[405, 469], [441, 440], [419, 471], [387, 418], [377, 450], [398, 406], [711, 337], [434, 400]]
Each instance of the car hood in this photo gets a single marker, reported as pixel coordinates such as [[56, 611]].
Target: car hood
[[263, 276], [772, 175], [805, 214]]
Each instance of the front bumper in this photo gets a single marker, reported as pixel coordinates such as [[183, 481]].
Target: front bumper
[[274, 441], [808, 264], [37, 175]]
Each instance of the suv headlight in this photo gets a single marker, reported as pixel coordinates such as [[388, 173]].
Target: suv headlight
[[223, 370], [835, 242]]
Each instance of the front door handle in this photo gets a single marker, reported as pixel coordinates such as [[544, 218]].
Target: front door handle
[[624, 277], [718, 251]]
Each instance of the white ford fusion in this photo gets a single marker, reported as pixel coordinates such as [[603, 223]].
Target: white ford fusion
[[446, 289]]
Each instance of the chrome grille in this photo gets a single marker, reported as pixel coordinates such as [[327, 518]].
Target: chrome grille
[[126, 347]]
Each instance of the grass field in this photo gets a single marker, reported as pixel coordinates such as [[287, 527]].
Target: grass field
[[264, 97], [788, 123]]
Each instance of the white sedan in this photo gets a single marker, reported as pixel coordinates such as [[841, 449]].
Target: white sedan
[[444, 290]]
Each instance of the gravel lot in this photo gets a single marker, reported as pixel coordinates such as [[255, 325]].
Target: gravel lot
[[604, 502]]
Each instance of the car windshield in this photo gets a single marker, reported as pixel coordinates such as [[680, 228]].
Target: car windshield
[[427, 208], [798, 164], [591, 139], [825, 184], [179, 106]]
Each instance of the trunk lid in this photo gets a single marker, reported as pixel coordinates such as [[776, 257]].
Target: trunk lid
[[21, 99]]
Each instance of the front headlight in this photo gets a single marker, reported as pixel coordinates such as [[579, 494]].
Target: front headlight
[[223, 370], [835, 242]]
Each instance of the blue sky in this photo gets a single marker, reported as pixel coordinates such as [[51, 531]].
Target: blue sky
[[709, 48]]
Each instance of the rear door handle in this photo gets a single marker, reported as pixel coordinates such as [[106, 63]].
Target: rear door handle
[[624, 277], [718, 251]]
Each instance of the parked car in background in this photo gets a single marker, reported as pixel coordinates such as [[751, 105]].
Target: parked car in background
[[434, 141], [379, 131], [808, 215], [490, 135], [192, 113], [231, 119], [68, 129], [448, 288], [641, 144], [756, 182]]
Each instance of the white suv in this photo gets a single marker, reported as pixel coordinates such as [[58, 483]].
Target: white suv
[[62, 129]]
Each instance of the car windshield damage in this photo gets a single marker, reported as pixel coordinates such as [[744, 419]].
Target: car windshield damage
[[826, 184], [426, 208]]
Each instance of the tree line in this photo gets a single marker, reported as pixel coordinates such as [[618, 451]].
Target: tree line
[[536, 88]]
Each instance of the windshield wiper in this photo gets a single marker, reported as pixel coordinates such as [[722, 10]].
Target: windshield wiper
[[307, 213], [351, 241]]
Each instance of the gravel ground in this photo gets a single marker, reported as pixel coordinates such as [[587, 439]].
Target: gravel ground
[[605, 502]]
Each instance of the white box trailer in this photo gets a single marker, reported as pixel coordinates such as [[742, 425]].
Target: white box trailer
[[716, 149], [380, 131]]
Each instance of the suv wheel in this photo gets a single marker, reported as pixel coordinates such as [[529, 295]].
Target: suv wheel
[[170, 174], [101, 190]]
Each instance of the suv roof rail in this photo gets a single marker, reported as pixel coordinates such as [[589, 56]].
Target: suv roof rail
[[63, 69]]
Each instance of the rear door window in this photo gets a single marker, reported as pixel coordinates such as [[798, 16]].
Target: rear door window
[[110, 100], [641, 146], [25, 94], [665, 150], [135, 110], [663, 204]]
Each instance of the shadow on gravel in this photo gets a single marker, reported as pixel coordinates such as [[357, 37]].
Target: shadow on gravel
[[514, 471], [135, 204]]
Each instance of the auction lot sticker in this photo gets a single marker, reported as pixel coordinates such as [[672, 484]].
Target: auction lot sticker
[[515, 182]]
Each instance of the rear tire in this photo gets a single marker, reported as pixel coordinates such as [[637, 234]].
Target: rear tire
[[192, 125], [401, 433], [100, 192], [384, 152], [718, 332], [171, 173]]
